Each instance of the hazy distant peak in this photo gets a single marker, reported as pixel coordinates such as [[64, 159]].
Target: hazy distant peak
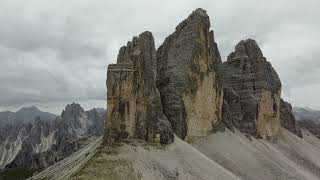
[[30, 108]]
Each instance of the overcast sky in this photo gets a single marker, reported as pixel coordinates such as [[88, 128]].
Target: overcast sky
[[54, 52]]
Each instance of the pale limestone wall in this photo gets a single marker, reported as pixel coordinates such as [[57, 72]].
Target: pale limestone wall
[[269, 114], [203, 109], [120, 88]]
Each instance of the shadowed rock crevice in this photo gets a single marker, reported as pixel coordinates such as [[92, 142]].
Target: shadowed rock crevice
[[287, 118]]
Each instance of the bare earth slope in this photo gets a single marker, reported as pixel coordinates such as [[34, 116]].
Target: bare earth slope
[[288, 157], [223, 155], [178, 160]]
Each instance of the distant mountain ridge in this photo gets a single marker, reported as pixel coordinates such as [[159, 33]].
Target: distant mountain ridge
[[309, 119], [46, 139], [24, 115], [307, 114]]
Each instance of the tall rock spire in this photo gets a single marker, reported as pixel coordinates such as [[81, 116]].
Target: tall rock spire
[[134, 107], [186, 77], [252, 91]]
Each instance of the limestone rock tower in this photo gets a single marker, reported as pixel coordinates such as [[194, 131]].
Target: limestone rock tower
[[134, 108], [186, 78], [252, 91]]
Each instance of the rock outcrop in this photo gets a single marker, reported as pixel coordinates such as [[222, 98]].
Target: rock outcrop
[[287, 118], [252, 91], [186, 78], [134, 107]]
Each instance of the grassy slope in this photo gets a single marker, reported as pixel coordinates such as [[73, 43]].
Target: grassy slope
[[16, 174]]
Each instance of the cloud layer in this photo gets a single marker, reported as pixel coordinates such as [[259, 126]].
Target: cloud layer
[[56, 52]]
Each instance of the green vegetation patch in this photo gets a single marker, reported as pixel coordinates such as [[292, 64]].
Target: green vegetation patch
[[16, 174], [107, 163]]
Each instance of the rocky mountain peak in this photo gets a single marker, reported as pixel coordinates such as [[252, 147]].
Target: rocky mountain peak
[[41, 142], [198, 20], [252, 90], [199, 16], [29, 109], [185, 64], [24, 115], [247, 48], [138, 45], [200, 12], [72, 109]]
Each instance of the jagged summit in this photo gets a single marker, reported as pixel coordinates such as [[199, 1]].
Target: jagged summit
[[30, 108], [197, 19], [24, 115], [252, 91], [143, 43], [247, 48], [249, 57], [197, 16], [73, 107], [200, 12]]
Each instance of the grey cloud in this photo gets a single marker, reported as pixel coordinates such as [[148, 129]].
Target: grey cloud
[[55, 52]]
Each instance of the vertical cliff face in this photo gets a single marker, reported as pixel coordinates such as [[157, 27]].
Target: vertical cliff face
[[287, 119], [134, 106], [186, 78], [252, 91]]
